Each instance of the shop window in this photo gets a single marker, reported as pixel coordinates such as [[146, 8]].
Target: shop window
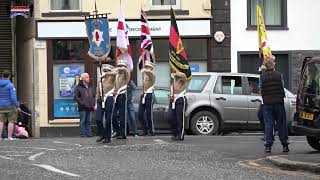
[[65, 5], [274, 14], [65, 79], [165, 4], [75, 50], [196, 49]]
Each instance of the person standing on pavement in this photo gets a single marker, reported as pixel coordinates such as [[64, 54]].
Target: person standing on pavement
[[9, 105], [84, 94], [146, 100], [122, 79], [132, 120], [105, 106], [272, 91], [178, 105]]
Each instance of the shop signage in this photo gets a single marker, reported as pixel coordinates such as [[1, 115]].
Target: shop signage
[[69, 77], [21, 10], [65, 108], [195, 67], [157, 28]]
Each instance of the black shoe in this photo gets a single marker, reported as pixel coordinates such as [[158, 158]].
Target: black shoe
[[100, 139], [151, 134], [143, 133], [106, 141], [285, 148], [121, 137], [114, 134], [268, 149], [173, 137]]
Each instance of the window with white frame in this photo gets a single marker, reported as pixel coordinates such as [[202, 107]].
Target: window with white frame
[[65, 5], [165, 4], [274, 13]]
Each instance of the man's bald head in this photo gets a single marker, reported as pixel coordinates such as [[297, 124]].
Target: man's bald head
[[85, 78]]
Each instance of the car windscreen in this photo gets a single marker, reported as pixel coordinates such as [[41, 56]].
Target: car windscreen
[[311, 79], [197, 83]]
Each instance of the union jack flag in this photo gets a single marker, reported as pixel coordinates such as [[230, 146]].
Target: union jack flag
[[146, 46]]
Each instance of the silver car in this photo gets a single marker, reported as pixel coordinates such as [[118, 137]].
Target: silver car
[[219, 100]]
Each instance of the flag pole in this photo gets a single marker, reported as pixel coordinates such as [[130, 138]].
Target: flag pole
[[171, 70], [258, 2]]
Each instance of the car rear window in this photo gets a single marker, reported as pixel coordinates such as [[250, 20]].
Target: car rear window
[[197, 83]]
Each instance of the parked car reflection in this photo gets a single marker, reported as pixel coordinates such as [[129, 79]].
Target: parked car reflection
[[160, 108]]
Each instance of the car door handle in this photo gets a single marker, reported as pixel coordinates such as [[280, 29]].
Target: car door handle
[[255, 100], [161, 108], [221, 98]]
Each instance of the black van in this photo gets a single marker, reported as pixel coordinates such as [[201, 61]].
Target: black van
[[307, 117]]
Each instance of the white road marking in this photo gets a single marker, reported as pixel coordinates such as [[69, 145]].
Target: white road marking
[[15, 155], [59, 142], [16, 152], [53, 169], [33, 157], [159, 141], [3, 157]]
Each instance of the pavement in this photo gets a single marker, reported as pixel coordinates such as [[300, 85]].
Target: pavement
[[297, 162]]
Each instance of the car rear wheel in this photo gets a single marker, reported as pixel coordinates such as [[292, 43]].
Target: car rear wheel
[[314, 142], [204, 123]]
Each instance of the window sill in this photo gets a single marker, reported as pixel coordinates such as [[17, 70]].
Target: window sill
[[252, 28], [166, 12], [60, 14]]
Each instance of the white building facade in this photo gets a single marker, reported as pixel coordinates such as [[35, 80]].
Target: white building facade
[[292, 29]]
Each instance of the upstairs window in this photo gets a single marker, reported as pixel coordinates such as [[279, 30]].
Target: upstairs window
[[274, 13], [165, 4], [65, 5]]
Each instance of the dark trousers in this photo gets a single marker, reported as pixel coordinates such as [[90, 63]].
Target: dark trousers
[[131, 117], [260, 116], [85, 123], [277, 113], [147, 125], [176, 117], [109, 104], [120, 107], [99, 119]]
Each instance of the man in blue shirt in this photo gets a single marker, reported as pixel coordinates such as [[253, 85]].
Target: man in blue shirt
[[9, 105]]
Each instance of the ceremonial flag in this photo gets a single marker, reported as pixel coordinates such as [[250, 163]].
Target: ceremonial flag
[[264, 47], [123, 45], [146, 46], [99, 37], [177, 55]]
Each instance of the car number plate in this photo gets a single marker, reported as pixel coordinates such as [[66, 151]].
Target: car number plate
[[308, 116]]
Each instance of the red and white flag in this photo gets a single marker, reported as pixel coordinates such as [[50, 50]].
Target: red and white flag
[[146, 46], [123, 45]]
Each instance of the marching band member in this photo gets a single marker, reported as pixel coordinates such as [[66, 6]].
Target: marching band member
[[146, 100], [122, 79], [178, 105], [108, 87]]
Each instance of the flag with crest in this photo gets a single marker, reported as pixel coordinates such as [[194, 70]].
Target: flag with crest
[[99, 37], [177, 55]]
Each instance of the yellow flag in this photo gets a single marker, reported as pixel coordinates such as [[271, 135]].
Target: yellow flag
[[264, 47]]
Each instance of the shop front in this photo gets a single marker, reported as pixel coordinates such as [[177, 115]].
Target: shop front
[[65, 49]]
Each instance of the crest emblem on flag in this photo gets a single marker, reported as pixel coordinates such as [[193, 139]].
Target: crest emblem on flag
[[177, 55], [99, 37]]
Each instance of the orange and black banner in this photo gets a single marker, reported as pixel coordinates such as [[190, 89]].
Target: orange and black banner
[[177, 55]]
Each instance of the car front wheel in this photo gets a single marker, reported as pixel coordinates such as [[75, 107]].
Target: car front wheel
[[314, 142], [204, 123]]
